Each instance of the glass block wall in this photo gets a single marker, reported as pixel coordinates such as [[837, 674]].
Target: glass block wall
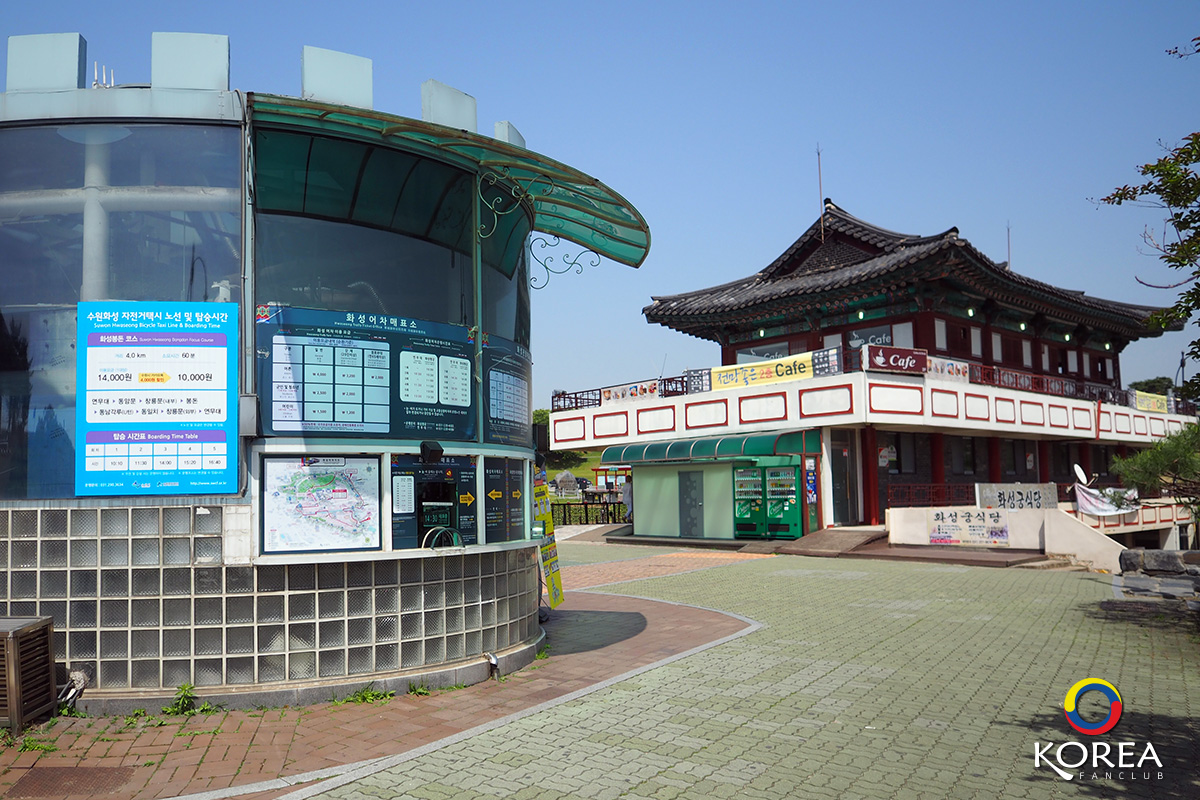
[[141, 599]]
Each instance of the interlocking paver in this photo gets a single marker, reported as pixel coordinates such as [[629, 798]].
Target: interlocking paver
[[884, 680]]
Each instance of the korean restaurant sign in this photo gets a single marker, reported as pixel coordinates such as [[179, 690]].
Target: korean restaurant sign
[[815, 364], [1016, 496], [880, 358], [986, 527], [157, 396]]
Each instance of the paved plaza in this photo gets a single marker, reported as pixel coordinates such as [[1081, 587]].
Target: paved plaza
[[828, 678]]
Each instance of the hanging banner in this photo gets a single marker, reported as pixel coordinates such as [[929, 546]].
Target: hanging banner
[[629, 392], [158, 393], [1099, 502], [943, 369], [548, 551], [815, 364], [1150, 402]]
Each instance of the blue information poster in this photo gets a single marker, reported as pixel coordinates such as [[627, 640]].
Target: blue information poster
[[157, 397], [508, 370]]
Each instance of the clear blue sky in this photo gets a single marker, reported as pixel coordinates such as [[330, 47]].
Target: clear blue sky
[[707, 116]]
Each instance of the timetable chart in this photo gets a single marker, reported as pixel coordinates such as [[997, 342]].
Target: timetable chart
[[508, 399], [330, 384]]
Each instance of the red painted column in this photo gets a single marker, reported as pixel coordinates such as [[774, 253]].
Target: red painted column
[[937, 463], [870, 476], [1043, 452], [995, 470], [1085, 458]]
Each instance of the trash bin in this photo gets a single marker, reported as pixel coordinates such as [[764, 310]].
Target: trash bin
[[27, 689]]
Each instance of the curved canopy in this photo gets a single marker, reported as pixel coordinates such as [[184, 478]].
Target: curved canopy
[[565, 202]]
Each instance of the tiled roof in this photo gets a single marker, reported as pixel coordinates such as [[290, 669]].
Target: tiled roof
[[825, 266]]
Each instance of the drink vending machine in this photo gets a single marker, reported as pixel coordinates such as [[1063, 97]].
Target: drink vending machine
[[749, 520], [784, 508]]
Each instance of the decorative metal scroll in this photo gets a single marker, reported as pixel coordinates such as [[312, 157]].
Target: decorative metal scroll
[[559, 264], [509, 197]]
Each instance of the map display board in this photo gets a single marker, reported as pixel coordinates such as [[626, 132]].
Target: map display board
[[157, 387], [508, 372], [504, 503], [349, 374], [451, 477], [320, 504]]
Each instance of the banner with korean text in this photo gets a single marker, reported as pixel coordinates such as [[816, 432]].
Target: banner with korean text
[[816, 364]]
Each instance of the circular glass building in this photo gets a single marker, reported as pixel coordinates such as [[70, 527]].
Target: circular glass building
[[264, 370]]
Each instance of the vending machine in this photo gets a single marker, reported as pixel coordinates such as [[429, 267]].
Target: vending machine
[[784, 515], [749, 519]]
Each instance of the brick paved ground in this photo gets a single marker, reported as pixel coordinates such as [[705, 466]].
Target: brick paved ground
[[592, 638], [867, 679]]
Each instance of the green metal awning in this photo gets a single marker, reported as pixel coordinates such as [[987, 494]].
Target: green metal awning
[[565, 202], [717, 448]]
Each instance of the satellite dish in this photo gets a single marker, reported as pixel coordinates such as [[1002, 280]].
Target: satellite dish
[[1081, 475]]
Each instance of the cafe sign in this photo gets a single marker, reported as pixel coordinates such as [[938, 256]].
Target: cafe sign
[[879, 358]]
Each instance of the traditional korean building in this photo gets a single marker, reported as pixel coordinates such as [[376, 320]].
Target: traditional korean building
[[972, 373]]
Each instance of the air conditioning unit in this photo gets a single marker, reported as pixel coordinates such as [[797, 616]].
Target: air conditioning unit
[[27, 657]]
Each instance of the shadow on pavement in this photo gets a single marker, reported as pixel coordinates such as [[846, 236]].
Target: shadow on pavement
[[570, 631], [1174, 738], [1156, 614]]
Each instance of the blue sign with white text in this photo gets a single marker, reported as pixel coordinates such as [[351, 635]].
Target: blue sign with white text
[[157, 392]]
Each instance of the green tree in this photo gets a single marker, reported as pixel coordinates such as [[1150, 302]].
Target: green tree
[[1173, 185], [1171, 466], [1159, 385]]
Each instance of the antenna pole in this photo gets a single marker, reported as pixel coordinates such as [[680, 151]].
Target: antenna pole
[[1008, 230], [821, 193]]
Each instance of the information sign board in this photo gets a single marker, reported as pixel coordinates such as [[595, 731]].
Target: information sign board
[[157, 385], [351, 374], [967, 526], [320, 504], [508, 372]]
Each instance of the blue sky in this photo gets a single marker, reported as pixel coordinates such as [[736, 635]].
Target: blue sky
[[707, 116]]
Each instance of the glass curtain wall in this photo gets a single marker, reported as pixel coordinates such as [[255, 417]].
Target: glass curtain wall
[[91, 212]]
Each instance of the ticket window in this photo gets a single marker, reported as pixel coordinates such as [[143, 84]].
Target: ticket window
[[436, 508]]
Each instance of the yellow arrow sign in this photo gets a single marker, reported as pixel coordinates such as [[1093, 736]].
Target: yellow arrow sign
[[516, 494], [153, 377], [495, 494], [466, 499]]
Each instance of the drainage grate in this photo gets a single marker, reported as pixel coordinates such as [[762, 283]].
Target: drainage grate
[[62, 781]]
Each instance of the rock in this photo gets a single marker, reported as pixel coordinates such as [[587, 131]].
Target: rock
[[1162, 561], [1191, 557], [1131, 560], [1193, 570]]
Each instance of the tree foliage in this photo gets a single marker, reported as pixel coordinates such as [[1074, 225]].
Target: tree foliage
[[1159, 385], [1172, 467], [1173, 185]]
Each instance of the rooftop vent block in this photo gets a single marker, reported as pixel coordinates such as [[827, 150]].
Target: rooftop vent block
[[189, 61], [46, 62], [445, 105], [328, 76], [507, 132]]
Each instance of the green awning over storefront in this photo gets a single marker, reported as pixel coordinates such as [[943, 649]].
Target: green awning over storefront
[[716, 448]]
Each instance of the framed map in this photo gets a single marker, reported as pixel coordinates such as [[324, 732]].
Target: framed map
[[320, 504]]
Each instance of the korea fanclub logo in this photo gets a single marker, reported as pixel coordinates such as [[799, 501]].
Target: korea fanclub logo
[[1097, 759]]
